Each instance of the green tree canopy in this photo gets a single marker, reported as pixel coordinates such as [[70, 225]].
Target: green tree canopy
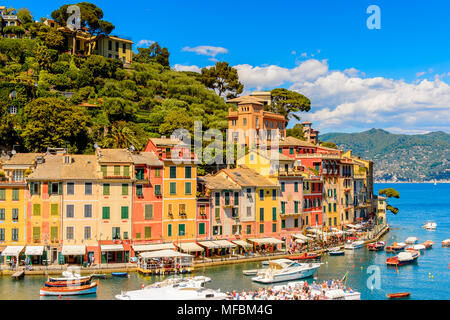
[[296, 132], [154, 53], [390, 193], [287, 103], [52, 122], [223, 79]]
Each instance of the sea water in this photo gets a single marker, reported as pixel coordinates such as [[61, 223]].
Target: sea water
[[428, 278]]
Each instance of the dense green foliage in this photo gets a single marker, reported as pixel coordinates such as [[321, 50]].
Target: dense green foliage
[[288, 103], [399, 157], [223, 79], [296, 132], [390, 193]]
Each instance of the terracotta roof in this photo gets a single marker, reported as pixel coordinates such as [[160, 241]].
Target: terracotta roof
[[114, 156], [80, 167], [23, 158], [165, 141], [294, 142], [247, 99], [148, 158], [218, 183], [247, 177]]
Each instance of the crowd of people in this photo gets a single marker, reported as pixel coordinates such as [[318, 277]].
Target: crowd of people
[[297, 291]]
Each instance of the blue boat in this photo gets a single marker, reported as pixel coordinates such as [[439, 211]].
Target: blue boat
[[120, 274], [337, 253]]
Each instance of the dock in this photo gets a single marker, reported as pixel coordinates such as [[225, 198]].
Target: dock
[[18, 274]]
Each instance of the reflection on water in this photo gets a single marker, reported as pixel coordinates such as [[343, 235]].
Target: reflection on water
[[429, 278]]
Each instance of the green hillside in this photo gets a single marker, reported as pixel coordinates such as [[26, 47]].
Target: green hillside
[[399, 157]]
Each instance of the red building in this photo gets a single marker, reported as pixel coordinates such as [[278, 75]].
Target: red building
[[147, 198]]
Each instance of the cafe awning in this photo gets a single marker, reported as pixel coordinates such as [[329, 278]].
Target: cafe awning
[[266, 241], [224, 244], [242, 243], [111, 247], [153, 247], [208, 244], [73, 250], [12, 250], [164, 254], [301, 236], [189, 247], [34, 250]]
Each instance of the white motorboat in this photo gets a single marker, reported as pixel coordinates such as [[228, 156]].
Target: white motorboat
[[284, 270], [324, 293], [175, 289], [430, 226], [339, 294], [417, 247], [252, 272], [446, 243], [353, 245], [411, 240]]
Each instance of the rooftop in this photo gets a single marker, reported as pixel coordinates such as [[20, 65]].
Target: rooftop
[[247, 177], [147, 158], [218, 182], [114, 156]]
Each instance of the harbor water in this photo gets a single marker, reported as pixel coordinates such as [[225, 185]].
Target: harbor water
[[428, 278]]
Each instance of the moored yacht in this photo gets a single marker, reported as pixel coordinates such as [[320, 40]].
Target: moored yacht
[[352, 245], [175, 289], [284, 270]]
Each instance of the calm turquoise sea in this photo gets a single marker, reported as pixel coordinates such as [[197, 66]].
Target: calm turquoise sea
[[428, 279]]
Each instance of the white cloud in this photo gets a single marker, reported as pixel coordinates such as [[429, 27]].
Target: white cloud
[[348, 100], [144, 43], [180, 67], [209, 51]]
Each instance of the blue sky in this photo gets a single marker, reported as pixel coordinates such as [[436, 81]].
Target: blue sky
[[349, 68]]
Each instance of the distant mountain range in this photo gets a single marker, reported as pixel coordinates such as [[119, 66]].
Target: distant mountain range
[[399, 157]]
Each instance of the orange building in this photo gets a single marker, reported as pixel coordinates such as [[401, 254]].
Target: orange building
[[250, 115]]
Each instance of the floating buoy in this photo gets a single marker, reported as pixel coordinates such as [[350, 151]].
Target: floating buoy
[[361, 268], [353, 266], [432, 277], [142, 285]]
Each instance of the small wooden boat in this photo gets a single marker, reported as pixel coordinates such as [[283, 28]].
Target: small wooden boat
[[416, 247], [430, 226], [337, 253], [428, 244], [411, 240], [69, 291], [403, 258], [398, 295], [306, 256], [377, 246], [120, 274], [73, 283], [446, 243], [396, 247], [69, 279], [251, 272], [98, 276]]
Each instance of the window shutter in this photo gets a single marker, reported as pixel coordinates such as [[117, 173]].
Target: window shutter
[[49, 188], [124, 213], [148, 211], [60, 188]]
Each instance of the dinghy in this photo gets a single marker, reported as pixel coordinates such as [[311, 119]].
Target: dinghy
[[69, 291]]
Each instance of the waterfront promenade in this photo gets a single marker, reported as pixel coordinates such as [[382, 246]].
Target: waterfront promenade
[[373, 235]]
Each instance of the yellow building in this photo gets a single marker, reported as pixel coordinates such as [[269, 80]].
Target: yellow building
[[13, 201], [45, 203], [179, 200], [115, 48], [115, 204]]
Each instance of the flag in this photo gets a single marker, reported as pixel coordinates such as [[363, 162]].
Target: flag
[[345, 277]]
